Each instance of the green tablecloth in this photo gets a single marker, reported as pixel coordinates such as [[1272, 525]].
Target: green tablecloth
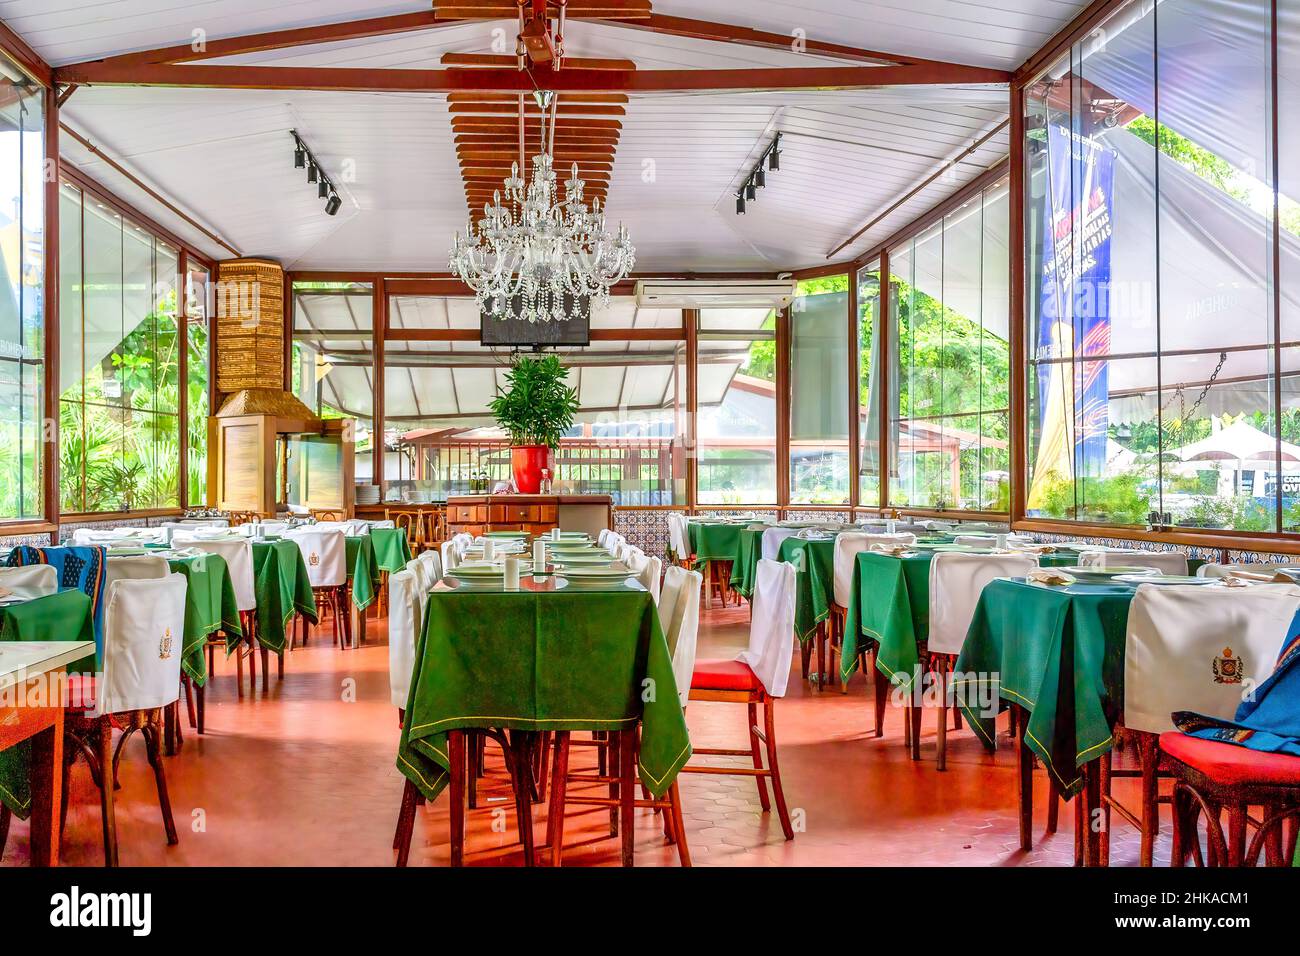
[[889, 601], [209, 607], [744, 561], [713, 542], [363, 570], [392, 550], [1059, 653], [281, 586], [64, 616], [814, 563], [542, 661]]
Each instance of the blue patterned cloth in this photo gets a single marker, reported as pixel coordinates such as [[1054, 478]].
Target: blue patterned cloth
[[78, 567], [1269, 720]]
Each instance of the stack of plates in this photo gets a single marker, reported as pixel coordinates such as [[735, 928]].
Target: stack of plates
[[1106, 574], [367, 494], [597, 560], [506, 534], [607, 573], [478, 572], [1165, 579]]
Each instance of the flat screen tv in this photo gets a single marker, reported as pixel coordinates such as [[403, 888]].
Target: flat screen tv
[[514, 330]]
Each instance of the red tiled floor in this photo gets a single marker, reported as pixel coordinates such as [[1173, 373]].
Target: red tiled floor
[[305, 776]]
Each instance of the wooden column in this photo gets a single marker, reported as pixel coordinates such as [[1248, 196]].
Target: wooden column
[[1018, 443], [182, 372], [379, 291], [855, 453], [50, 433], [884, 318], [782, 410], [690, 441]]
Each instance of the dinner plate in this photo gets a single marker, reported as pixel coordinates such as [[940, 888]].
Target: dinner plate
[[118, 552], [1107, 573], [577, 549], [1165, 579], [596, 573], [594, 560], [506, 534]]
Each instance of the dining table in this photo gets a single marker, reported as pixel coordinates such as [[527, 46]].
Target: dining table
[[744, 560], [282, 589], [210, 606], [392, 548], [40, 640], [550, 656]]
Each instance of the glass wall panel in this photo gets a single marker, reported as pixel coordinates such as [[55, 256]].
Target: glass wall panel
[[333, 358], [736, 423], [22, 298], [869, 402], [819, 426], [119, 446], [441, 439], [198, 361], [949, 316], [1150, 214]]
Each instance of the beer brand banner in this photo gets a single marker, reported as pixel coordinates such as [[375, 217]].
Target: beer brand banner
[[1074, 317]]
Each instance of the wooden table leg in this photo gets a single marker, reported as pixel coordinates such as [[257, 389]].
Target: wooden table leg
[[47, 795], [627, 792], [456, 793], [1024, 781], [1091, 797]]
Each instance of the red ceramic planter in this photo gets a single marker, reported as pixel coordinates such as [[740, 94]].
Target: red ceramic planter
[[527, 462]]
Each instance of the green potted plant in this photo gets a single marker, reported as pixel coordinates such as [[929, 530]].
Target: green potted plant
[[535, 409]]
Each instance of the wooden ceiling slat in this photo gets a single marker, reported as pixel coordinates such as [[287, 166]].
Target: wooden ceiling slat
[[469, 123], [513, 98], [508, 9], [512, 109]]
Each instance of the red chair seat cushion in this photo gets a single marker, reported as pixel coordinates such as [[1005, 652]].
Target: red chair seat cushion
[[1230, 764], [718, 674]]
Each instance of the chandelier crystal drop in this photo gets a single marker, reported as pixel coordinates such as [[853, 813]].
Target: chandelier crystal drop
[[553, 253]]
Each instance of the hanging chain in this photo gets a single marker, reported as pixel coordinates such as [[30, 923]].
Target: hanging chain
[[1184, 413]]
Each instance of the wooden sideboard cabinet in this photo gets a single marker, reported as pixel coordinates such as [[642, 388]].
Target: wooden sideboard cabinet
[[475, 514]]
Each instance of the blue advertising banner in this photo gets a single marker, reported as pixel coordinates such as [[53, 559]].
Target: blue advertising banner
[[1074, 318]]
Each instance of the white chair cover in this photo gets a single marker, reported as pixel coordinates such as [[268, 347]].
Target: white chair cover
[[238, 554], [454, 549], [956, 580], [325, 554], [679, 617], [203, 522], [771, 543], [847, 546], [678, 536], [134, 568], [432, 564], [382, 524], [1167, 562], [600, 538], [144, 634], [1200, 648], [614, 543], [646, 569], [771, 630], [30, 581], [1225, 570], [974, 540], [407, 598]]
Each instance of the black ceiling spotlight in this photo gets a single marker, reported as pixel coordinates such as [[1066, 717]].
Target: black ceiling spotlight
[[771, 159], [325, 188]]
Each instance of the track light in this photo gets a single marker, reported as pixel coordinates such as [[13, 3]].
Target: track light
[[774, 160], [750, 192], [325, 188], [760, 177], [740, 205], [771, 158]]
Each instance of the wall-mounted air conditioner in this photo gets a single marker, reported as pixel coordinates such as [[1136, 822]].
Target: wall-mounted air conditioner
[[715, 293]]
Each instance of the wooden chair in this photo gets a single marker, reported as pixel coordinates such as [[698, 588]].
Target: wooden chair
[[758, 679], [1213, 778], [144, 628], [327, 514], [415, 525], [238, 518]]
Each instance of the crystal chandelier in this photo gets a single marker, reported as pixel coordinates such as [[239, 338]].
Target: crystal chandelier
[[555, 255]]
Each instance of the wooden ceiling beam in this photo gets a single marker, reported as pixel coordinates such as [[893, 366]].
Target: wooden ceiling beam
[[506, 62], [364, 80], [512, 109], [617, 99]]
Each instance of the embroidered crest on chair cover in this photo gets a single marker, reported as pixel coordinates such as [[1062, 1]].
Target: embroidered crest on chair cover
[[314, 559], [165, 645], [1227, 669]]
